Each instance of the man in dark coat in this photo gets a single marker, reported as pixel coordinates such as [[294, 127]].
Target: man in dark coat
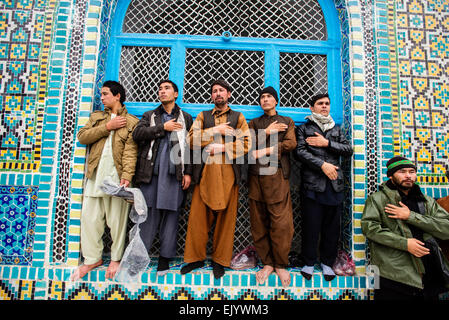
[[163, 170], [320, 145]]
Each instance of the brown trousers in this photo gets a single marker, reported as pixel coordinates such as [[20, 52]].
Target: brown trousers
[[201, 218], [272, 230]]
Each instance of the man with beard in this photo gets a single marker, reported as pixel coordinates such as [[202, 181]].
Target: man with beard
[[397, 220], [218, 137]]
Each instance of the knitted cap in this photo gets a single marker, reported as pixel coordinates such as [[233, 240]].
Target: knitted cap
[[271, 91], [396, 163]]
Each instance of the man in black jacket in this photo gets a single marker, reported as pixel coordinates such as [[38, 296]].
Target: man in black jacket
[[320, 144], [163, 170]]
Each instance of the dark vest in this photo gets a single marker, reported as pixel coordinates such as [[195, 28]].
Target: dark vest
[[209, 122]]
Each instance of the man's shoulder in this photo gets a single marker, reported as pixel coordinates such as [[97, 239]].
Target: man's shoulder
[[383, 192], [132, 118], [286, 119], [97, 114], [186, 114]]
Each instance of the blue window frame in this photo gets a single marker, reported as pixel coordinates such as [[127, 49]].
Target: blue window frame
[[272, 49]]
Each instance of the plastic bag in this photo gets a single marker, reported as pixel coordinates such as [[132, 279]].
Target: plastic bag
[[344, 265], [135, 259], [246, 259]]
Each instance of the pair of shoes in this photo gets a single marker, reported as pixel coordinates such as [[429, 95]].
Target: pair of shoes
[[218, 270], [162, 266], [191, 266]]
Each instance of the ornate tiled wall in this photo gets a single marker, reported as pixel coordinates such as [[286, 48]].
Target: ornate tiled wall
[[395, 64]]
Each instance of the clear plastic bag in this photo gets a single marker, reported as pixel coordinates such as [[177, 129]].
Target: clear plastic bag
[[245, 259], [344, 265], [135, 259]]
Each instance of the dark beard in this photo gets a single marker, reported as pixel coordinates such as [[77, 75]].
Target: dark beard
[[400, 185]]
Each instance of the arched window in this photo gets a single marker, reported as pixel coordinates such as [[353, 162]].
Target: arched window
[[292, 45]]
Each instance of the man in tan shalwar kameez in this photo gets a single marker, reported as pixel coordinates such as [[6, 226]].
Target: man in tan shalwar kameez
[[224, 137], [270, 204]]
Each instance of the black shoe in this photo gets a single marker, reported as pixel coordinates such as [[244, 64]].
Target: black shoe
[[218, 270], [163, 264], [306, 275], [329, 277], [192, 266]]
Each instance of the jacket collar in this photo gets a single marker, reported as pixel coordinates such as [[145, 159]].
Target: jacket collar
[[160, 110], [121, 112], [392, 191], [269, 117], [217, 112]]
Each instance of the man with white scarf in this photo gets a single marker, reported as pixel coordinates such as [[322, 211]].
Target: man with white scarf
[[163, 170], [320, 146]]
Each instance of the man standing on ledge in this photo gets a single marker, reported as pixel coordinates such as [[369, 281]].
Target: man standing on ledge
[[397, 220], [159, 134], [113, 153], [270, 203], [218, 138], [321, 144]]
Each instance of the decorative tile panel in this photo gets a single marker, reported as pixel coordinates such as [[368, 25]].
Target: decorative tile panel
[[25, 36], [422, 113], [18, 207]]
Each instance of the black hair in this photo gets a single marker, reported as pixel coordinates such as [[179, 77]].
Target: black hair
[[175, 87], [317, 97], [116, 88], [222, 83]]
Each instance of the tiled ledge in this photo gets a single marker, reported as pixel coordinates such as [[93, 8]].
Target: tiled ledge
[[54, 283], [200, 277]]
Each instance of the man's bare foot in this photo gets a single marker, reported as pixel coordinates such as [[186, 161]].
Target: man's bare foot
[[84, 269], [284, 275], [112, 269], [262, 275]]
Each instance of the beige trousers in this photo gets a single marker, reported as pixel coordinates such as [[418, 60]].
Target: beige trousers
[[96, 212]]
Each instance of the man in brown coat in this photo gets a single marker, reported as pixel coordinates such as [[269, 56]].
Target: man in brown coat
[[113, 155], [270, 204], [219, 136]]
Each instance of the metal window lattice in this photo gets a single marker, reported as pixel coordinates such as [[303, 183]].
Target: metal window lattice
[[141, 68], [283, 19], [242, 233], [301, 77], [244, 70]]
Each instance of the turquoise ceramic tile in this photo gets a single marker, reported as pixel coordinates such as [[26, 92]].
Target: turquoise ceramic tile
[[317, 280], [244, 280]]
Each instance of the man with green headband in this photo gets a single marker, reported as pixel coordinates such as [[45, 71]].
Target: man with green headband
[[398, 221]]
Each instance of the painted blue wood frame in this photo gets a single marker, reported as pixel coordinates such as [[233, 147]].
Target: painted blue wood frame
[[271, 47]]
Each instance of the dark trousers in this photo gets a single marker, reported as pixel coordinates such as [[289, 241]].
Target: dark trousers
[[320, 223], [166, 222], [390, 290]]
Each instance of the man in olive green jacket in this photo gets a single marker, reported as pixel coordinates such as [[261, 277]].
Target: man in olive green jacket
[[112, 155], [397, 220]]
